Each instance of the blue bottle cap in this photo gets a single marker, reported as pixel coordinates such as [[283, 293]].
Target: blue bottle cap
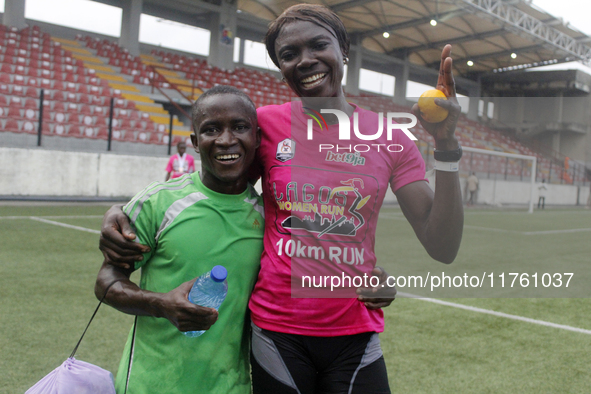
[[219, 273]]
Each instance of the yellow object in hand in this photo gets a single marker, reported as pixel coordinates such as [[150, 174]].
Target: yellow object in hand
[[430, 111]]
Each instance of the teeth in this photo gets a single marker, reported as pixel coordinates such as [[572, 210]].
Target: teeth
[[227, 157], [313, 78]]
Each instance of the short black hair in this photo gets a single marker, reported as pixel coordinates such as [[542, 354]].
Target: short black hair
[[314, 13], [217, 90]]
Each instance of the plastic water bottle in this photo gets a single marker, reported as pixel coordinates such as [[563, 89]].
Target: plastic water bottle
[[209, 290]]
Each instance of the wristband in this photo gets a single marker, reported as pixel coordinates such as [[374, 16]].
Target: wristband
[[447, 166], [448, 155]]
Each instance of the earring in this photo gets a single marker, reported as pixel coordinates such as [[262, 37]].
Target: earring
[[283, 79], [345, 60]]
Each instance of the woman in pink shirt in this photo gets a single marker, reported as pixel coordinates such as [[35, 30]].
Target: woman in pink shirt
[[323, 186], [180, 164]]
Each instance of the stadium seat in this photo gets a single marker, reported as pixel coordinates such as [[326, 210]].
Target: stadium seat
[[102, 133], [31, 92], [16, 103], [73, 78], [124, 123], [144, 137], [18, 90], [85, 109], [33, 81], [46, 128], [70, 97], [87, 132], [30, 127], [11, 124], [61, 129], [72, 108], [122, 135], [88, 120], [31, 114], [6, 68], [60, 117]]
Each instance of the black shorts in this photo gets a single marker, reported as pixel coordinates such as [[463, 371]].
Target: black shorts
[[299, 364]]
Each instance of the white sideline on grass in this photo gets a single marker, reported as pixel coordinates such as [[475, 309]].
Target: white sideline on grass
[[64, 225], [498, 314]]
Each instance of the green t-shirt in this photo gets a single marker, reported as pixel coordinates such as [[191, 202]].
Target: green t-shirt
[[190, 229]]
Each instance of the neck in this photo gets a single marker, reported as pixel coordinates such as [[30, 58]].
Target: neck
[[234, 186]]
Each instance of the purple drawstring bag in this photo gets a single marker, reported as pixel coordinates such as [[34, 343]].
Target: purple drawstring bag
[[75, 376]]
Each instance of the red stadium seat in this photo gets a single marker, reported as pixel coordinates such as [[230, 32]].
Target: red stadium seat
[[11, 125], [144, 137], [88, 120], [102, 133], [88, 132], [32, 81], [71, 78], [31, 114], [122, 135], [46, 83], [19, 80], [18, 90], [72, 108], [70, 97], [30, 127], [31, 92], [61, 129], [98, 100], [16, 103], [6, 68], [85, 109], [60, 117], [46, 73]]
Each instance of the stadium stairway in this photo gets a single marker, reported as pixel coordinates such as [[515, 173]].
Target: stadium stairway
[[78, 87]]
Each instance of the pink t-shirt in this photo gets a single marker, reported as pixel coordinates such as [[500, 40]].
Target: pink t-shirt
[[321, 211], [180, 165]]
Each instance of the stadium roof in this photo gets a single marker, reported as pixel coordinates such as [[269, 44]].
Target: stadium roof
[[485, 32]]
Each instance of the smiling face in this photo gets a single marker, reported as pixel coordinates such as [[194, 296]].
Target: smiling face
[[226, 137], [310, 59]]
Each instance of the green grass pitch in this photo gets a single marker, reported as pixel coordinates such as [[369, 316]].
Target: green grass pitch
[[47, 275]]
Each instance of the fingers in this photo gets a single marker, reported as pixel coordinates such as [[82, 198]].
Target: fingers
[[444, 55], [451, 106], [185, 315], [116, 241], [377, 304], [450, 84], [123, 224], [117, 256], [380, 296], [185, 288], [445, 80], [197, 318]]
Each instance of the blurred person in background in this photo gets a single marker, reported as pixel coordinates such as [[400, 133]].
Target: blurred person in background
[[542, 189], [181, 163], [472, 184]]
